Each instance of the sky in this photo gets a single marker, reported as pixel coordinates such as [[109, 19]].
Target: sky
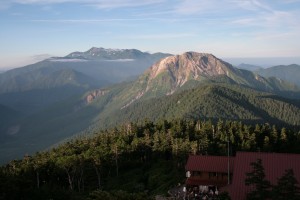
[[32, 30]]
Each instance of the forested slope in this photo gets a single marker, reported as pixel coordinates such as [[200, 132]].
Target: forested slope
[[212, 101], [133, 161]]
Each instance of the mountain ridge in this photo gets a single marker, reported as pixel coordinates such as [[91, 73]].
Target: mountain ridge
[[81, 75], [191, 85], [214, 101], [249, 67], [289, 73], [171, 73], [101, 53]]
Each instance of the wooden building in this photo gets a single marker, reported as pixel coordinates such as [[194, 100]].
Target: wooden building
[[208, 170], [210, 173]]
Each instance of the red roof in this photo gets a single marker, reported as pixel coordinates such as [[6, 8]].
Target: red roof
[[274, 164], [209, 163]]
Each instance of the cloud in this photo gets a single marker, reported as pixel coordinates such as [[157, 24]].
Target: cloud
[[280, 35], [244, 21], [291, 1], [266, 16], [274, 19], [40, 57], [101, 4], [92, 20], [252, 5], [161, 36], [66, 60], [4, 4], [218, 6], [188, 7], [110, 4]]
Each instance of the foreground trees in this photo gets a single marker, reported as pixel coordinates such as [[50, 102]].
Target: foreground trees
[[286, 187], [145, 159], [257, 179]]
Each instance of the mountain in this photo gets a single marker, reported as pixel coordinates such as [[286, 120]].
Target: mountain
[[42, 92], [289, 73], [32, 91], [212, 101], [34, 87], [175, 75], [189, 86], [105, 109], [7, 115], [249, 67], [115, 54], [43, 78], [173, 72], [104, 65]]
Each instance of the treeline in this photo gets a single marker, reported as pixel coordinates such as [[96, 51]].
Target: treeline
[[134, 161]]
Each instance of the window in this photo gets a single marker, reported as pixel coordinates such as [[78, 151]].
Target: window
[[212, 174]]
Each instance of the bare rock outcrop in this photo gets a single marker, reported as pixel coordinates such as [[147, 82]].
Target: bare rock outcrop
[[94, 94]]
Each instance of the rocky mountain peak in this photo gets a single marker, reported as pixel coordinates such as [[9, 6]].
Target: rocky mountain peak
[[189, 65], [96, 53], [190, 70], [95, 50], [172, 72], [103, 50]]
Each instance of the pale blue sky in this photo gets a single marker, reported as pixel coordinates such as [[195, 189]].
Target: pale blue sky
[[33, 29]]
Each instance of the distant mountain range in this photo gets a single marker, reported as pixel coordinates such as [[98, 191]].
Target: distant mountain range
[[289, 73], [189, 86], [115, 55], [36, 86], [103, 65], [249, 67]]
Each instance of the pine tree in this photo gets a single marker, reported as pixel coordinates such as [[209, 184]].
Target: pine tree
[[256, 179], [266, 146], [286, 187]]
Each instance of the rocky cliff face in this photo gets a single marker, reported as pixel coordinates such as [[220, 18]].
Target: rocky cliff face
[[171, 73], [190, 65], [94, 94]]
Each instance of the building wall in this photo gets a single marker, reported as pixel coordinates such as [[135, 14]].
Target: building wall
[[212, 178]]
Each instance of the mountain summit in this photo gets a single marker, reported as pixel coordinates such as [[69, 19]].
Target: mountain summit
[[114, 54], [191, 69], [171, 73], [190, 65]]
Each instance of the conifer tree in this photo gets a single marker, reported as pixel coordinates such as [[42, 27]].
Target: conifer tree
[[286, 187], [256, 179]]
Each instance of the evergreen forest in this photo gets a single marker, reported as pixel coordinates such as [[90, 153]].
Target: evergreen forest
[[134, 161]]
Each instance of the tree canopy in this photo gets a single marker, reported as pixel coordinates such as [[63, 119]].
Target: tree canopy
[[143, 159]]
